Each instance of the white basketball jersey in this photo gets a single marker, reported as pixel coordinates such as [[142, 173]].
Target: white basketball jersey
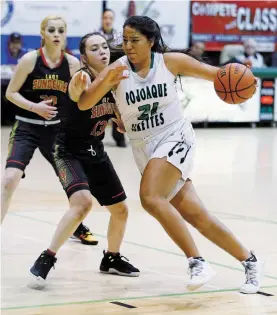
[[149, 105]]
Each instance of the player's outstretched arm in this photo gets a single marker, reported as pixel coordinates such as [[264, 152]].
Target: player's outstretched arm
[[108, 79], [182, 64]]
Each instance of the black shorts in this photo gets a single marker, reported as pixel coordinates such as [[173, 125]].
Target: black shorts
[[80, 170], [25, 138]]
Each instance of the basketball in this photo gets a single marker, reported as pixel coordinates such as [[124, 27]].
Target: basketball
[[234, 83]]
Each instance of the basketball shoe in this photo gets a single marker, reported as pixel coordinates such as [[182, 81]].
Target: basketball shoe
[[200, 272], [114, 264], [253, 272], [41, 268], [84, 235]]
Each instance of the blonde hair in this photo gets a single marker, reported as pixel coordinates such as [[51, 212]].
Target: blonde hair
[[44, 23]]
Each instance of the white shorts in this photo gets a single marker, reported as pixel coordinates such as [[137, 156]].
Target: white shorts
[[177, 144]]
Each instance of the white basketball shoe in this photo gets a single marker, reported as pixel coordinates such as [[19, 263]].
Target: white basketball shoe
[[253, 272], [200, 272]]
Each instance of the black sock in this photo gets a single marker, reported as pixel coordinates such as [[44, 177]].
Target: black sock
[[110, 253], [49, 252], [252, 258], [199, 258]]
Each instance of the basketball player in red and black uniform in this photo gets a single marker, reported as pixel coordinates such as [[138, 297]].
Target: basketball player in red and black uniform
[[39, 89], [84, 167]]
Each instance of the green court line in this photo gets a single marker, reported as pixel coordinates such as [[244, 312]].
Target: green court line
[[232, 216], [245, 218], [129, 298], [146, 246]]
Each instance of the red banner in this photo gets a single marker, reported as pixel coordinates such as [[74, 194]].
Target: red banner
[[228, 22]]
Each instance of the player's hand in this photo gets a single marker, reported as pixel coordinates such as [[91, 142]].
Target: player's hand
[[256, 85], [248, 63], [120, 126], [80, 83], [116, 74], [256, 80], [45, 110]]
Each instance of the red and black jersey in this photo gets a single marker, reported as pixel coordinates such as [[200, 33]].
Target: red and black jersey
[[44, 83], [88, 125]]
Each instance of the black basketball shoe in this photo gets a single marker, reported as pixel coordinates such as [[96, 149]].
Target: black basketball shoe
[[114, 264]]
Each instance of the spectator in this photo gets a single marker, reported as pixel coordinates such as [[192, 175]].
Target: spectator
[[9, 60], [274, 59], [197, 50], [107, 29], [15, 50], [111, 36], [251, 57]]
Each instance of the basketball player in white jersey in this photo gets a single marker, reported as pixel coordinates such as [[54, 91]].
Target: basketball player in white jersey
[[163, 143]]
